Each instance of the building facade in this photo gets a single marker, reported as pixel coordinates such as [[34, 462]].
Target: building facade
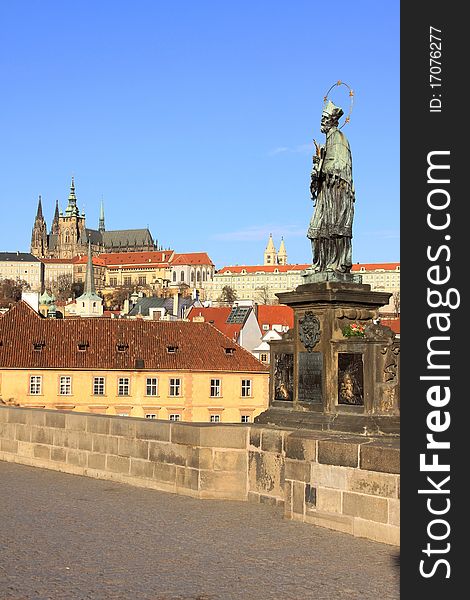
[[173, 370], [69, 235], [22, 266], [192, 269]]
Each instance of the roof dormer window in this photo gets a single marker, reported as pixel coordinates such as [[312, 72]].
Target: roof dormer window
[[38, 346], [229, 351], [121, 346], [82, 346], [171, 349]]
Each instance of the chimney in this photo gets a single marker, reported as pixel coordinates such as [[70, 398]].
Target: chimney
[[176, 301]]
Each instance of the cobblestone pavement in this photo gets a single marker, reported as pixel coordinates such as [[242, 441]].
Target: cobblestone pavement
[[69, 537]]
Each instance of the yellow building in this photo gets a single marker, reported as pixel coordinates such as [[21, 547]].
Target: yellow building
[[133, 269], [156, 369]]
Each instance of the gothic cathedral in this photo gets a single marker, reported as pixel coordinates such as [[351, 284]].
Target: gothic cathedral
[[69, 235]]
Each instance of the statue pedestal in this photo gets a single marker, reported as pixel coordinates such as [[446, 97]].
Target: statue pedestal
[[324, 380]]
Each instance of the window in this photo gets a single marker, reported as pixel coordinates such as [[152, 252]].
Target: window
[[123, 386], [98, 386], [122, 346], [215, 388], [152, 386], [175, 386], [174, 275], [182, 276], [175, 417], [215, 418], [65, 385], [142, 280], [246, 388], [127, 280], [35, 384], [150, 416], [171, 349], [113, 281], [245, 419], [265, 327], [264, 358]]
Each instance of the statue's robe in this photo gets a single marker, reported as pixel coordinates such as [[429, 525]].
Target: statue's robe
[[330, 229]]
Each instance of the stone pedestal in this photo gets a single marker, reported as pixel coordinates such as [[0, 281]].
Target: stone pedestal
[[322, 379]]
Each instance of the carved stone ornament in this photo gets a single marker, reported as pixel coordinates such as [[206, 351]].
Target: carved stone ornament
[[309, 330]]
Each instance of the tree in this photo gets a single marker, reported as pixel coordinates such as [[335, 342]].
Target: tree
[[396, 302], [62, 288], [228, 295], [264, 296], [77, 289], [10, 291]]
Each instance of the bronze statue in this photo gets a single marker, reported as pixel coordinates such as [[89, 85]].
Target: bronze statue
[[332, 190]]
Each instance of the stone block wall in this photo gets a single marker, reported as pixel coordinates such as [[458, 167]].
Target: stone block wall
[[342, 482]]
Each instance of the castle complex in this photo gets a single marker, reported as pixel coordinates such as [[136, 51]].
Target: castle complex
[[69, 236]]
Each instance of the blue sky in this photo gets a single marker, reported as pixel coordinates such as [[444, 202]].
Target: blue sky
[[197, 118]]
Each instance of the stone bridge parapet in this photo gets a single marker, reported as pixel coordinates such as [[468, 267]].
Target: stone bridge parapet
[[343, 482]]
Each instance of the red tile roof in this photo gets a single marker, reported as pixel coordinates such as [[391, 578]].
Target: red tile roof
[[59, 261], [82, 260], [217, 316], [237, 269], [136, 258], [262, 268], [192, 258], [201, 347], [375, 266], [276, 314]]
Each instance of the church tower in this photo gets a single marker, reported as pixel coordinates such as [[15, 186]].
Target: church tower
[[282, 254], [39, 234], [71, 227], [270, 255], [89, 304]]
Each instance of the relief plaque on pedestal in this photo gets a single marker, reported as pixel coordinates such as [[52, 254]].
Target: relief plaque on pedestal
[[350, 379], [310, 377], [284, 376]]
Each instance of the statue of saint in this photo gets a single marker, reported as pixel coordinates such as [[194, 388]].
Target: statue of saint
[[332, 190]]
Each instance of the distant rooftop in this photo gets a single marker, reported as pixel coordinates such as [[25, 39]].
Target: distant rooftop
[[18, 257]]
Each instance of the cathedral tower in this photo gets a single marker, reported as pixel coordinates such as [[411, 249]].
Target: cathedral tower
[[39, 234], [71, 227]]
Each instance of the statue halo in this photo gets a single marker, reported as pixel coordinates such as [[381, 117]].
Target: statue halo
[[351, 100]]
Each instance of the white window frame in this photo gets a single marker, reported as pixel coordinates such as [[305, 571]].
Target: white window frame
[[35, 385], [245, 419], [215, 418], [174, 417], [65, 385], [174, 389], [247, 388], [151, 386], [150, 416], [215, 388], [99, 385], [124, 384]]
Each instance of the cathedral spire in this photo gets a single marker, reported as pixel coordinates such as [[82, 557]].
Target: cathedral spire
[[39, 214], [72, 208], [55, 220], [101, 226], [39, 233]]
